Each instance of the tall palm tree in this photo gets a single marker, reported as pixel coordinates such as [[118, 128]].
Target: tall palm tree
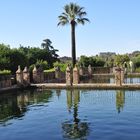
[[73, 14]]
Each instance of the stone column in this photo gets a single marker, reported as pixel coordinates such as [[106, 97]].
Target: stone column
[[81, 71], [19, 77], [90, 70], [75, 75], [57, 72], [68, 76], [26, 77], [35, 75], [118, 79], [122, 76]]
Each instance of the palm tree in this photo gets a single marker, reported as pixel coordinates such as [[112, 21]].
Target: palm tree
[[73, 14]]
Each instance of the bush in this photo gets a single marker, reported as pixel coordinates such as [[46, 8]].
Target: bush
[[50, 70], [61, 65], [137, 70], [43, 64], [5, 72], [39, 63], [92, 60], [136, 61]]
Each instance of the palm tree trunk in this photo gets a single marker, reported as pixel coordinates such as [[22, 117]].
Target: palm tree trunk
[[73, 43]]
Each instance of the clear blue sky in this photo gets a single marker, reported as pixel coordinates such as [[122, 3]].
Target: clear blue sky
[[114, 26]]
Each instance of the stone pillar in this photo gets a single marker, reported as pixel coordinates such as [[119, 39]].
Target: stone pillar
[[118, 79], [19, 77], [90, 70], [75, 75], [122, 76], [26, 77], [57, 72], [81, 71], [35, 75], [68, 76]]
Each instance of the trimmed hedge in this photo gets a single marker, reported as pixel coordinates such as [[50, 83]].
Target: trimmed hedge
[[5, 72]]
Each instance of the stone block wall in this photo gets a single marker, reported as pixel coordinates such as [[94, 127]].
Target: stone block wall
[[5, 81], [38, 75]]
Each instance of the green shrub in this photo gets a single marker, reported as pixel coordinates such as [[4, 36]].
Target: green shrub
[[50, 70], [94, 61], [62, 65], [43, 64], [137, 70], [5, 72]]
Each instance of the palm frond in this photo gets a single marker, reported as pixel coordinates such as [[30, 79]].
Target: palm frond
[[82, 20], [86, 19], [66, 9], [81, 14], [65, 14], [72, 12], [62, 23], [80, 9]]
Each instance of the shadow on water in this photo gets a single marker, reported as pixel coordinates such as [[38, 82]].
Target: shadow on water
[[15, 105], [74, 128]]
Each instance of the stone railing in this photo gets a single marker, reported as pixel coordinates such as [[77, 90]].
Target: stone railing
[[74, 78], [56, 76], [70, 77]]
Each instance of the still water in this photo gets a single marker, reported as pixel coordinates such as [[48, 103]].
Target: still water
[[66, 114]]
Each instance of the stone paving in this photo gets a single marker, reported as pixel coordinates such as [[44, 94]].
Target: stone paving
[[86, 86]]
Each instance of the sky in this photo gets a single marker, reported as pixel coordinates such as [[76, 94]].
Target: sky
[[114, 25]]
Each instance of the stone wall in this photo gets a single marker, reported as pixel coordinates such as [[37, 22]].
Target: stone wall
[[38, 75], [94, 70], [52, 77], [49, 76], [5, 81], [100, 70]]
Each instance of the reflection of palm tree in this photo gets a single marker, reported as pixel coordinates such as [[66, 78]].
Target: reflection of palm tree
[[69, 99], [120, 100], [76, 128]]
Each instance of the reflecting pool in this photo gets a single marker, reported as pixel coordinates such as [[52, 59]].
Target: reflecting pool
[[70, 114]]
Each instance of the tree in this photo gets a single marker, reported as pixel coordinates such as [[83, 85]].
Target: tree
[[94, 61], [73, 14], [121, 59], [51, 53]]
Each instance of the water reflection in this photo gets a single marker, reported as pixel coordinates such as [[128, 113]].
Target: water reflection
[[120, 100], [70, 114], [75, 128], [58, 93], [15, 105], [9, 108]]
